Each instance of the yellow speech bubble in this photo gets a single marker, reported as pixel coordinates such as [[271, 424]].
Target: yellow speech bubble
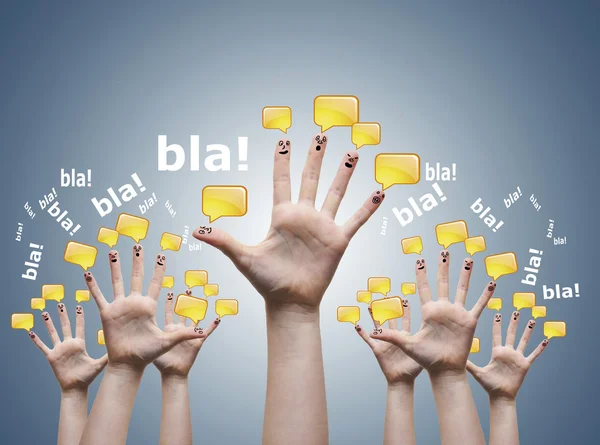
[[132, 226], [379, 285], [169, 241], [366, 133], [349, 314], [335, 111], [555, 329], [211, 289], [80, 254], [82, 295], [408, 289], [475, 244], [538, 311], [224, 200], [523, 299], [191, 307], [495, 304], [412, 245], [108, 236], [168, 281], [38, 303], [277, 118], [451, 232], [364, 296], [475, 344], [226, 307], [100, 337], [387, 309], [397, 168], [21, 321], [501, 264], [196, 278], [54, 292]]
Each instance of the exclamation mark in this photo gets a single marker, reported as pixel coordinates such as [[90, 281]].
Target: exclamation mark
[[138, 182], [454, 172], [243, 153], [576, 289], [54, 191], [500, 224], [438, 190], [519, 190], [77, 227], [89, 177]]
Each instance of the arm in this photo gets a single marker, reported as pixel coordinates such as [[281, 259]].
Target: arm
[[399, 425], [503, 421], [73, 415]]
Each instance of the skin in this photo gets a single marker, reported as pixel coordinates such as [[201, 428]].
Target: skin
[[442, 347], [503, 376], [174, 367], [133, 340], [74, 370], [400, 371], [291, 269]]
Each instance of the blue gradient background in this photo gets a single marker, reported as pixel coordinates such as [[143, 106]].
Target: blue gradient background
[[509, 92]]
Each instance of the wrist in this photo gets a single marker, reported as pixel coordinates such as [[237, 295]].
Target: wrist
[[290, 315], [125, 372], [448, 375], [503, 401], [168, 378], [401, 386], [74, 393]]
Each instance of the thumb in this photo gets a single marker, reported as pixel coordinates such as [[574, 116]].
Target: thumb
[[474, 370], [402, 339], [224, 242], [173, 338], [101, 362]]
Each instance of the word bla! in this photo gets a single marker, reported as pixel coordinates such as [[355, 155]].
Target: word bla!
[[75, 179], [34, 262], [427, 201], [536, 262], [55, 212], [440, 173], [105, 205], [148, 203], [566, 292], [490, 219], [512, 197]]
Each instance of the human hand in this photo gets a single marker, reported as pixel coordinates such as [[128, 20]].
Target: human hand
[[73, 367], [295, 263], [179, 360], [133, 339], [503, 376], [444, 340]]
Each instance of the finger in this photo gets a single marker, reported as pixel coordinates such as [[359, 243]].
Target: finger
[[537, 351], [474, 369], [422, 283], [65, 323], [181, 320], [115, 273], [463, 281], [363, 214], [211, 327], [169, 305], [79, 322], [375, 322], [393, 323], [39, 343], [365, 336], [406, 316], [160, 265], [100, 363], [312, 170], [340, 184], [443, 281], [497, 331], [525, 337], [281, 172], [173, 338], [51, 329], [95, 290], [399, 338], [483, 300], [223, 241], [137, 270], [512, 329]]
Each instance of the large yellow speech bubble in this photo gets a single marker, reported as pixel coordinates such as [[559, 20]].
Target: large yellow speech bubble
[[211, 290], [555, 329], [108, 236], [54, 292], [387, 309], [412, 245], [21, 321], [196, 278], [335, 111], [451, 232], [191, 307], [523, 299], [350, 314], [366, 133], [80, 254], [224, 200], [475, 345], [501, 264], [168, 281], [538, 311], [495, 304], [379, 285], [170, 241], [277, 118], [397, 168], [364, 296], [475, 244], [38, 303], [408, 289], [82, 295], [226, 307], [132, 226], [100, 337]]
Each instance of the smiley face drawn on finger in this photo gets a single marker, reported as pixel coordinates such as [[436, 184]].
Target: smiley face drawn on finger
[[405, 302], [45, 316], [31, 335], [203, 230], [377, 331], [350, 160], [188, 292], [421, 264], [88, 277], [79, 310], [531, 324], [283, 147], [491, 286], [358, 328], [516, 315], [199, 330], [545, 343], [217, 321], [137, 249], [378, 197], [468, 264], [160, 260], [320, 141], [113, 257], [170, 296], [61, 307], [445, 255], [498, 318]]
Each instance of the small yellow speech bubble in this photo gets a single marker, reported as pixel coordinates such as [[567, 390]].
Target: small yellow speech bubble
[[332, 111], [501, 264], [451, 232], [191, 307], [475, 244], [408, 289], [38, 303], [168, 281], [364, 296], [349, 314], [226, 307], [523, 299], [412, 245], [366, 133], [132, 226], [397, 168], [538, 311], [387, 309], [80, 254], [82, 295], [196, 278], [277, 118], [379, 285], [108, 236], [169, 241], [475, 345], [555, 329], [224, 200], [495, 304], [211, 289], [100, 337], [21, 321], [54, 292]]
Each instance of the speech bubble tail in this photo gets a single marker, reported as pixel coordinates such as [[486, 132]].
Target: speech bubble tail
[[385, 187], [284, 130], [324, 128], [359, 145], [211, 219]]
